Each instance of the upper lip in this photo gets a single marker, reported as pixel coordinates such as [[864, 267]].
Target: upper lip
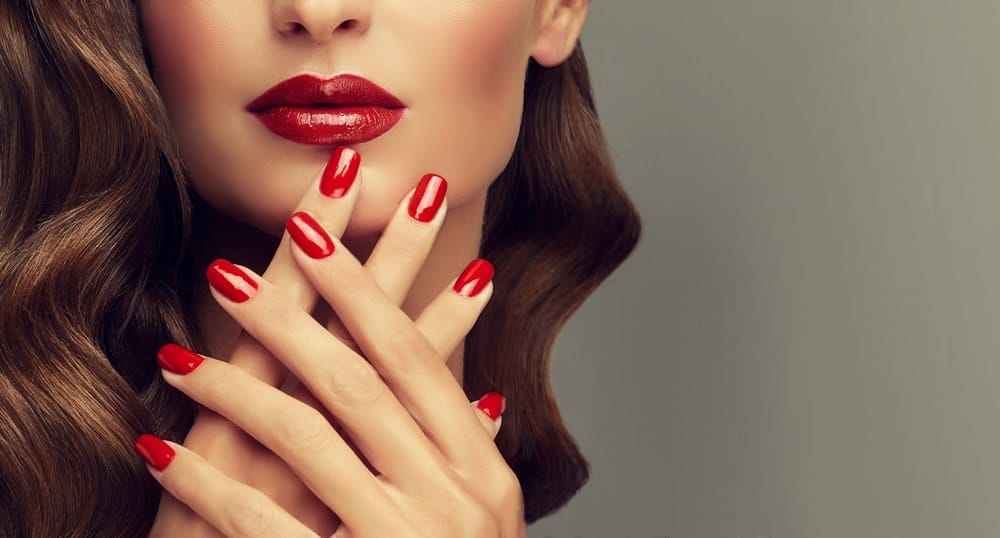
[[342, 90]]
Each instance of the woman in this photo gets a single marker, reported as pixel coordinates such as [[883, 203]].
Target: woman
[[146, 140]]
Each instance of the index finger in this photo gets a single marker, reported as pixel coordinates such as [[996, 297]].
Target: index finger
[[332, 195]]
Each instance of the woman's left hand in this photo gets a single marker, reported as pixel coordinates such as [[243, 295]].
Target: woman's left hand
[[439, 472]]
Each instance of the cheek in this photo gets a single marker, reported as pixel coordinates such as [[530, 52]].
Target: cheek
[[489, 53], [474, 63], [197, 50], [190, 46]]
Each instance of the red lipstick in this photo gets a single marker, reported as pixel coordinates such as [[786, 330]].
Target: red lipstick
[[340, 111]]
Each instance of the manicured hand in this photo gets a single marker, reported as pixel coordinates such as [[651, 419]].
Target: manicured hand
[[394, 414]]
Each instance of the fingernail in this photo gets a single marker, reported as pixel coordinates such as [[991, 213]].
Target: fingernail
[[178, 359], [427, 197], [340, 171], [493, 404], [154, 451], [474, 278], [309, 235], [230, 281]]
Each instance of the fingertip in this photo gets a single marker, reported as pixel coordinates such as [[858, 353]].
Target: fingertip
[[493, 404], [178, 359], [234, 282], [157, 452], [488, 424], [427, 202], [340, 173], [309, 235], [475, 278]]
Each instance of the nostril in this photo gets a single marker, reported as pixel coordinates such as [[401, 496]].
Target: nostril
[[294, 28], [348, 24], [298, 28]]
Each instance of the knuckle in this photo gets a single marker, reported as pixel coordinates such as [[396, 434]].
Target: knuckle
[[303, 429], [461, 513], [250, 514], [500, 491], [405, 247], [477, 521], [409, 351], [501, 480], [508, 489], [357, 386]]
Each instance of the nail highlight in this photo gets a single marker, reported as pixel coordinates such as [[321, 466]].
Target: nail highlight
[[231, 281], [340, 172], [309, 235], [178, 359], [474, 278], [428, 197], [154, 451], [493, 404]]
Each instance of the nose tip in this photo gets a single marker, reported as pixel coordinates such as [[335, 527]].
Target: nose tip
[[319, 32], [320, 19]]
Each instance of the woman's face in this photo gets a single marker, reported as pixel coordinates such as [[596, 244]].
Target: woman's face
[[456, 66]]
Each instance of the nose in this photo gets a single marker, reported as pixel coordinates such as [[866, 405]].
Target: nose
[[321, 19]]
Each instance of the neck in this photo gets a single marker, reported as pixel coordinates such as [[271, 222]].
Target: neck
[[219, 236]]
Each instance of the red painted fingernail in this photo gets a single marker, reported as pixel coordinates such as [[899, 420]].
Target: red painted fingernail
[[493, 403], [427, 197], [309, 235], [475, 277], [178, 359], [340, 171], [231, 281], [154, 451]]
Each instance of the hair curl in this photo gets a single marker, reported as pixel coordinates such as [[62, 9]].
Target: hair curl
[[95, 219]]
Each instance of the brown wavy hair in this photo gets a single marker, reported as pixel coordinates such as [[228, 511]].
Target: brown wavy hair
[[95, 273]]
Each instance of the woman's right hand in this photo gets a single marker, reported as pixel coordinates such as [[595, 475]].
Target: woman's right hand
[[394, 264]]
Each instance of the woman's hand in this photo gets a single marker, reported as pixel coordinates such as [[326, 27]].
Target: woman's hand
[[440, 473], [393, 264]]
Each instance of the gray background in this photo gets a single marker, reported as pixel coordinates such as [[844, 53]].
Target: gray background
[[805, 342]]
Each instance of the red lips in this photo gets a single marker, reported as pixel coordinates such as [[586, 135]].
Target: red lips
[[343, 110]]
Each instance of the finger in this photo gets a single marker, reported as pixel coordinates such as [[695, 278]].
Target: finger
[[408, 238], [450, 316], [332, 194], [233, 508], [404, 357], [296, 432], [345, 383], [486, 416], [403, 247]]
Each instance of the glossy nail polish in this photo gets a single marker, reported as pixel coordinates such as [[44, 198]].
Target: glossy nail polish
[[154, 451], [340, 172], [309, 235], [231, 281], [178, 359], [493, 404], [474, 278], [428, 197]]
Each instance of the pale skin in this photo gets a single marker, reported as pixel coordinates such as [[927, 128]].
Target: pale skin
[[425, 461]]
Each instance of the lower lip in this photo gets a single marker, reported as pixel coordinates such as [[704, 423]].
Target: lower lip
[[329, 125]]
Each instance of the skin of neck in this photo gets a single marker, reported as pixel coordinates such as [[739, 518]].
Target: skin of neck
[[220, 236]]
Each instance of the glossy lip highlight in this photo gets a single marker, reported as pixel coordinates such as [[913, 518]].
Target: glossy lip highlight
[[342, 110]]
